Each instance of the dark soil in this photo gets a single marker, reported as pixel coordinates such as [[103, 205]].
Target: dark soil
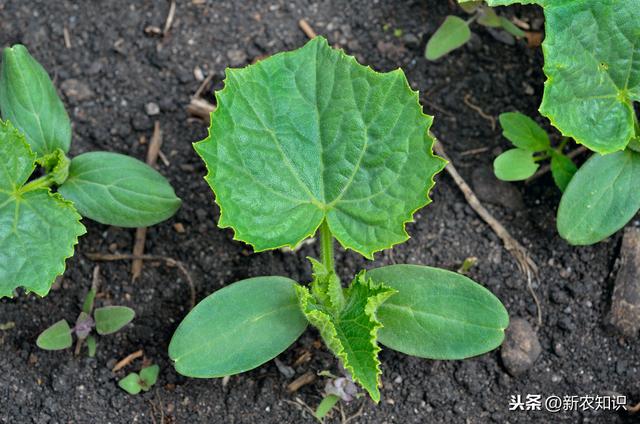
[[124, 69]]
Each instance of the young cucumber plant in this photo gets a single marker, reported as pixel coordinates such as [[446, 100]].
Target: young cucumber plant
[[43, 193], [532, 145], [134, 383], [310, 142], [455, 32], [105, 320], [592, 64]]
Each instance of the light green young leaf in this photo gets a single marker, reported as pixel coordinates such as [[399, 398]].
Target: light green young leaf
[[523, 132], [91, 346], [238, 328], [438, 314], [510, 27], [149, 376], [110, 319], [56, 165], [452, 34], [326, 404], [310, 135], [131, 384], [562, 170], [470, 6], [489, 18], [326, 287], [119, 190], [515, 165], [29, 100], [351, 333], [56, 337], [601, 198], [38, 229]]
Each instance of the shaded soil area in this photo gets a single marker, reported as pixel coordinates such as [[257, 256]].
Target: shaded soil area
[[110, 72]]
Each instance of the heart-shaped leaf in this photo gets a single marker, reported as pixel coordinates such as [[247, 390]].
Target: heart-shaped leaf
[[592, 62], [149, 376], [131, 384], [29, 100], [38, 229], [515, 165], [351, 332], [238, 328], [601, 198], [115, 189], [310, 135], [110, 319], [453, 33], [56, 337], [438, 314]]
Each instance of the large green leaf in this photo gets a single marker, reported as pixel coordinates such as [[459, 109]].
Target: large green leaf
[[592, 63], [115, 189], [29, 100], [310, 135], [238, 328], [56, 337], [351, 331], [438, 314], [601, 198], [110, 319], [453, 33], [38, 229]]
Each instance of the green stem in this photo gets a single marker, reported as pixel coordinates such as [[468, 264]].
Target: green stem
[[326, 246], [563, 143], [42, 182], [541, 157]]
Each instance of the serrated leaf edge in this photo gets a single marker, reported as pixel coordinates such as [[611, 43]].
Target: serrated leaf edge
[[430, 141], [322, 321]]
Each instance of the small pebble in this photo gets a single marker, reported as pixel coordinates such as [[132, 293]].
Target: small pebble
[[521, 347], [152, 108]]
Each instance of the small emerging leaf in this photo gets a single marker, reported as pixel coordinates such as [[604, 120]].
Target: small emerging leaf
[[600, 198], [523, 132], [149, 376], [56, 337], [29, 100], [115, 189], [438, 314], [131, 384], [238, 328], [488, 17], [351, 332], [562, 170], [326, 404], [510, 27], [453, 33], [56, 165], [515, 165], [91, 346], [110, 319]]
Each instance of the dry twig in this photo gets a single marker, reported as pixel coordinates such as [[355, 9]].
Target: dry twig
[[520, 254], [67, 37], [170, 17], [167, 260], [306, 28], [200, 108], [306, 378], [141, 233], [478, 109], [127, 360]]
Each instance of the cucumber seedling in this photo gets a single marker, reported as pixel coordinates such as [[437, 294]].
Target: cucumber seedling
[[135, 382], [44, 193], [105, 320], [311, 142], [592, 63], [455, 32]]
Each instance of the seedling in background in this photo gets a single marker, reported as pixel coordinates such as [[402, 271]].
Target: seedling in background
[[455, 32], [532, 146], [105, 320], [593, 80], [44, 193], [134, 383], [311, 142]]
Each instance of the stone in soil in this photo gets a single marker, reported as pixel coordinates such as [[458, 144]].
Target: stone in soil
[[521, 347]]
